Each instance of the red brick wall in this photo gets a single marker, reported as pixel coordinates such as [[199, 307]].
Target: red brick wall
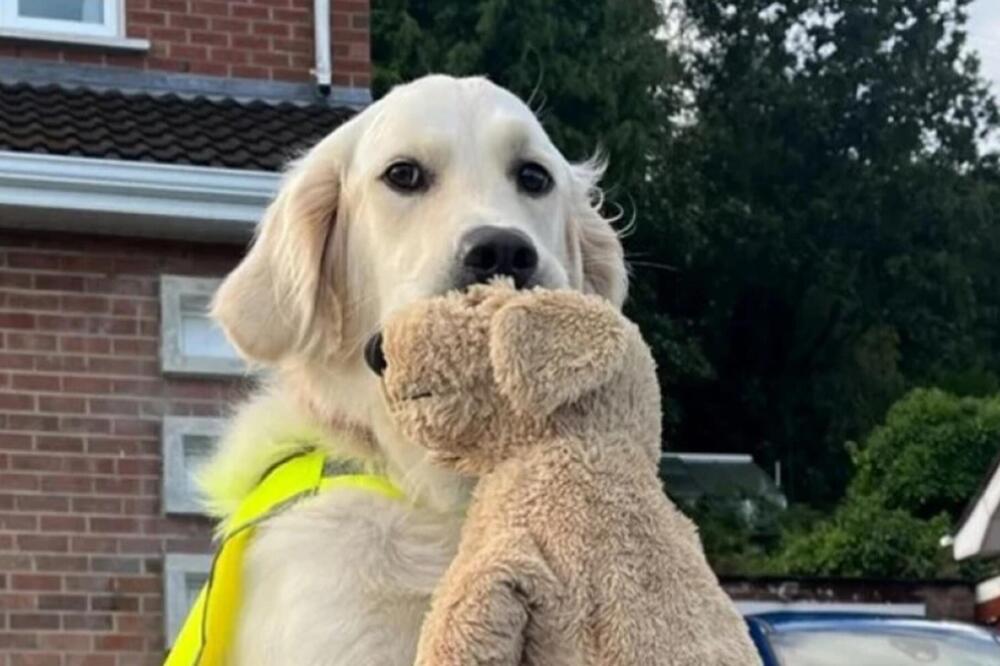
[[351, 43], [255, 39], [81, 397]]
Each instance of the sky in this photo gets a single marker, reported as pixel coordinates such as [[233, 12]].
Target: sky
[[984, 36]]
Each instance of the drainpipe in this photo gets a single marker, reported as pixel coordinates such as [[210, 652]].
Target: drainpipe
[[323, 70]]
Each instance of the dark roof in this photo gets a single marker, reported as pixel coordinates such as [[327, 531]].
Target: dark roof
[[688, 478], [159, 128]]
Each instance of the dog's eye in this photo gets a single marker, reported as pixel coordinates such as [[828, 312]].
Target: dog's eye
[[533, 179], [406, 177]]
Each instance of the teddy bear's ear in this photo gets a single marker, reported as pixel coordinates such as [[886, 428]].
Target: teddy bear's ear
[[550, 348]]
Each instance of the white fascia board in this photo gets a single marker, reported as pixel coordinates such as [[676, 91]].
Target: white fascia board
[[88, 195], [968, 542]]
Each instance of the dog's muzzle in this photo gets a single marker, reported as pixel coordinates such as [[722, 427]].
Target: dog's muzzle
[[489, 252], [485, 253]]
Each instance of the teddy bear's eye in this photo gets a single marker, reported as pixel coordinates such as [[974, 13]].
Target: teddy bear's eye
[[374, 355]]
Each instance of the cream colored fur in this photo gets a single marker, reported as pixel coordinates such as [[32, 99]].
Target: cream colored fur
[[571, 553], [267, 430], [346, 577]]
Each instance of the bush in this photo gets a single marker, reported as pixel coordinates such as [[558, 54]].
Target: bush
[[913, 476], [930, 455], [865, 539]]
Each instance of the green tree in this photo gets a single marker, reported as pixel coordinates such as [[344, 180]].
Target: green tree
[[824, 209], [591, 67], [815, 227], [913, 476]]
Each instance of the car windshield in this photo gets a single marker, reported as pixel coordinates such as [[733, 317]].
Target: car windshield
[[881, 648]]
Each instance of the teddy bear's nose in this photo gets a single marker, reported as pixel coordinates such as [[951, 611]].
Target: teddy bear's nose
[[374, 356], [491, 251]]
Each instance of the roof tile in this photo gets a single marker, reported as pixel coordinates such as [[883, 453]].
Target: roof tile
[[159, 128]]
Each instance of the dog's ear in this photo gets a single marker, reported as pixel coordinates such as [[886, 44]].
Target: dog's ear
[[281, 296], [549, 349], [601, 258]]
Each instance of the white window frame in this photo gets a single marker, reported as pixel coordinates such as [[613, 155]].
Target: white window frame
[[112, 26], [110, 33], [173, 360], [177, 568], [178, 495]]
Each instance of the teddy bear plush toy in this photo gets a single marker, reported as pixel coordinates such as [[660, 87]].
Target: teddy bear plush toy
[[571, 552]]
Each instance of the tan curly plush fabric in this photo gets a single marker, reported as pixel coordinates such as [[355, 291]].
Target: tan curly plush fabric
[[571, 553]]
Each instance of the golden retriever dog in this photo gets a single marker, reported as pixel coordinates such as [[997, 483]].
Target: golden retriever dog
[[442, 183]]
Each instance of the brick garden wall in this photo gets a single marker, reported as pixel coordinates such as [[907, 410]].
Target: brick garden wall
[[82, 538], [942, 599], [254, 39]]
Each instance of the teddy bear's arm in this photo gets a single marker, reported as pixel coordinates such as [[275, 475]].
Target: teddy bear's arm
[[484, 604]]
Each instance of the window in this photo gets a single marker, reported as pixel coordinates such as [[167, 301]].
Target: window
[[80, 17], [183, 577], [190, 342], [187, 443], [88, 22]]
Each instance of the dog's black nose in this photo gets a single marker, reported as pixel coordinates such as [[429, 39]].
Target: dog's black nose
[[373, 354], [487, 252]]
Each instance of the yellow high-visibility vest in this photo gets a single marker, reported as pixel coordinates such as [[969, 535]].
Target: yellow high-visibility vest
[[207, 633]]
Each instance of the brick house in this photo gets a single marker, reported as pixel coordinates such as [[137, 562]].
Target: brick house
[[139, 143]]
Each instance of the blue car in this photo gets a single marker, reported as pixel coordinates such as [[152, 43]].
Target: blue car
[[855, 639]]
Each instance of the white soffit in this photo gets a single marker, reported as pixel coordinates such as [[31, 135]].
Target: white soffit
[[979, 534], [130, 198]]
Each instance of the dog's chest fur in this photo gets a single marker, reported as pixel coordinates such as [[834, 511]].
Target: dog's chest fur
[[341, 578], [344, 578]]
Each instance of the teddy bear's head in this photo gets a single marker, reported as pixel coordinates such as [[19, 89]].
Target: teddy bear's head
[[475, 375]]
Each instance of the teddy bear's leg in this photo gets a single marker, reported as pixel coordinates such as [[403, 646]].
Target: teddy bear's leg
[[483, 606]]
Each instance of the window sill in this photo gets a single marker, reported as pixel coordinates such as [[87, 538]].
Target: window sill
[[115, 43]]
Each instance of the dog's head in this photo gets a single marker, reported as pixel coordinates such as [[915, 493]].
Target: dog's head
[[476, 376], [443, 183]]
